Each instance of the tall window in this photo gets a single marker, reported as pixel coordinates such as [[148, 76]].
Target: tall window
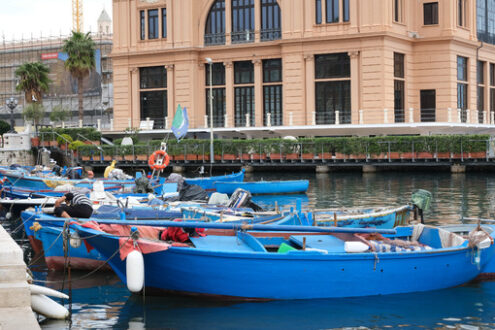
[[242, 21], [481, 90], [332, 11], [492, 92], [153, 24], [164, 22], [153, 94], [430, 13], [485, 20], [218, 92], [270, 20], [398, 8], [272, 92], [335, 11], [399, 88], [142, 22], [461, 12], [462, 86], [244, 93], [215, 24], [332, 88], [318, 11]]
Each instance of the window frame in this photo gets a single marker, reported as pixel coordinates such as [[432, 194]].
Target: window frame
[[142, 24], [433, 7], [164, 20], [156, 26], [153, 88]]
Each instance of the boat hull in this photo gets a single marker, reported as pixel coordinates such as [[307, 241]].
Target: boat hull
[[301, 275], [207, 183], [264, 187]]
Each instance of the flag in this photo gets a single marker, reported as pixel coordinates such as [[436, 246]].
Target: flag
[[180, 124]]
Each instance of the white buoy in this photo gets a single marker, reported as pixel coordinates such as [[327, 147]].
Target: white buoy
[[36, 289], [355, 247], [134, 266], [8, 216], [43, 305], [75, 240]]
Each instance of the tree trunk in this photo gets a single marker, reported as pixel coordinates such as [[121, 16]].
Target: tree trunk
[[80, 97]]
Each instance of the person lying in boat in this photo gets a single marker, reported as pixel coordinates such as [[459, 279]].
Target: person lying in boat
[[77, 205]]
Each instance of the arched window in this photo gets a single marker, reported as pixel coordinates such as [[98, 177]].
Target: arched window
[[215, 24], [242, 21], [270, 20]]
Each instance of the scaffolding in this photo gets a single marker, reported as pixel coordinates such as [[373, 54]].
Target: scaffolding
[[98, 86]]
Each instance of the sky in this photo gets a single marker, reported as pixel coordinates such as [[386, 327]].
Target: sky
[[23, 18]]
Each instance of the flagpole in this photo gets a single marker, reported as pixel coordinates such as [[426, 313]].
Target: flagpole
[[210, 62]]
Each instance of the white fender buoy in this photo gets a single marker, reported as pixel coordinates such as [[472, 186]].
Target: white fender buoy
[[43, 305], [8, 216], [355, 247], [134, 267], [36, 289], [75, 240]]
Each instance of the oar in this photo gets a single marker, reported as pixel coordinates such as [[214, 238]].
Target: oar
[[238, 226], [479, 219]]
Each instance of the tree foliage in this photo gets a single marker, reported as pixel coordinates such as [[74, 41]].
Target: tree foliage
[[80, 49], [34, 112], [59, 114], [4, 127], [33, 80]]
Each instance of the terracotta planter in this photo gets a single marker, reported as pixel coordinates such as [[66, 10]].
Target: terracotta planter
[[394, 155], [45, 143], [86, 158], [53, 143], [63, 146], [460, 156], [292, 156], [425, 155], [408, 155], [107, 158], [443, 155], [179, 157], [308, 156], [35, 142], [229, 157], [325, 155], [245, 157], [382, 155], [339, 155], [191, 157], [258, 156], [477, 155], [129, 157], [217, 157], [142, 157], [357, 157], [276, 156]]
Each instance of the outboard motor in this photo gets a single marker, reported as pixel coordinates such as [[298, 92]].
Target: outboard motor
[[143, 185], [421, 199], [242, 198]]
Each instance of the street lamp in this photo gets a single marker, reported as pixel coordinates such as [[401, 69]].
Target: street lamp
[[210, 62], [12, 104]]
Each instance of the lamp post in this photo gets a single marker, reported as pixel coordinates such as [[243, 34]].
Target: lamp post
[[210, 62], [12, 104]]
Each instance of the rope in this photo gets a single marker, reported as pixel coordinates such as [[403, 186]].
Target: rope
[[94, 270], [43, 254], [22, 224]]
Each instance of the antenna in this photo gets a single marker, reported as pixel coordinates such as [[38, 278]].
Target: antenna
[[77, 15]]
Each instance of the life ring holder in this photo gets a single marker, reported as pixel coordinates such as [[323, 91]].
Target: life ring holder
[[152, 161]]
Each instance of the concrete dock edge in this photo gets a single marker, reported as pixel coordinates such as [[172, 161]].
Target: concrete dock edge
[[15, 296]]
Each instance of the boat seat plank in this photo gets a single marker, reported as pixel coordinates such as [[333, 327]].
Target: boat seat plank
[[221, 243], [251, 241], [322, 242]]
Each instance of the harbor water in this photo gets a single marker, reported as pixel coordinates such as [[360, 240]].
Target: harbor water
[[102, 301]]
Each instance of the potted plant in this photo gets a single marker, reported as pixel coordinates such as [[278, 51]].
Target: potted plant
[[141, 152], [307, 150]]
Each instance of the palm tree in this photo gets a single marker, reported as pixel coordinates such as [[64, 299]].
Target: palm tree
[[80, 49], [33, 80]]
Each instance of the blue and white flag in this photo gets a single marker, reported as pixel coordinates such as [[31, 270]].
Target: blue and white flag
[[180, 124]]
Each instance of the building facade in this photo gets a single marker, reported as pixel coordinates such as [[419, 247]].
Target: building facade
[[98, 86], [304, 63]]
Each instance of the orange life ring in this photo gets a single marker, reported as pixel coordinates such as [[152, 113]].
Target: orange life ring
[[152, 160]]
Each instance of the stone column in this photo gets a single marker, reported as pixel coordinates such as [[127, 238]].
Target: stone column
[[203, 90], [171, 92], [229, 92], [258, 93], [134, 106], [354, 55], [257, 21], [228, 23], [309, 81]]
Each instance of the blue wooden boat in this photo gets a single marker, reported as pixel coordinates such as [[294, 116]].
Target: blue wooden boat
[[264, 187], [208, 183], [295, 262]]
